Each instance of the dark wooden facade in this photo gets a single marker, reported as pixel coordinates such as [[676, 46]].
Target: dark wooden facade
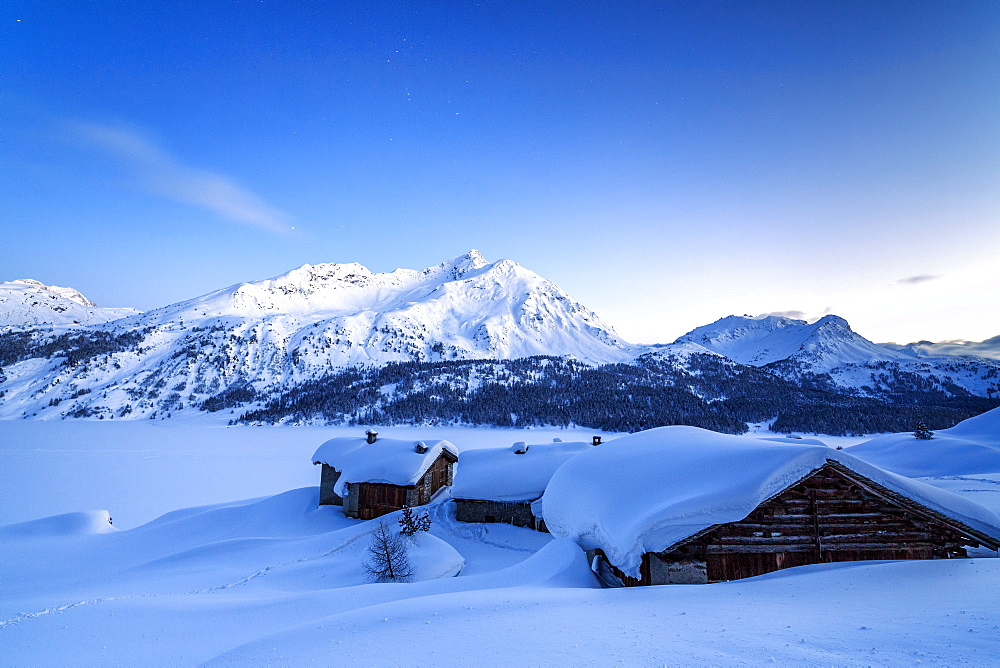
[[368, 500], [831, 515]]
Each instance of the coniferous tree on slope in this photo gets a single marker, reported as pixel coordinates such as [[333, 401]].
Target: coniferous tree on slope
[[388, 560], [410, 523]]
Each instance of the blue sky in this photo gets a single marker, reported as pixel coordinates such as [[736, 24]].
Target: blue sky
[[665, 163]]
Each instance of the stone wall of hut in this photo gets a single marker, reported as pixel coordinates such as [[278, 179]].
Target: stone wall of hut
[[351, 500], [507, 512], [327, 483]]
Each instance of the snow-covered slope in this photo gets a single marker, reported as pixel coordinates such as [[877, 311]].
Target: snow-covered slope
[[29, 303], [830, 355], [309, 322], [970, 447]]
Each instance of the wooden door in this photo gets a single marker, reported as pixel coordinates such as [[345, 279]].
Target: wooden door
[[378, 499], [439, 474], [746, 565]]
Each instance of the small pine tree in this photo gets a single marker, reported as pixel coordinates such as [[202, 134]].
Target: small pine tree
[[388, 560], [410, 523], [922, 432]]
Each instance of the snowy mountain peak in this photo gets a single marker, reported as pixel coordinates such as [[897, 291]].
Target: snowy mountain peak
[[469, 262], [67, 293], [30, 303], [833, 321]]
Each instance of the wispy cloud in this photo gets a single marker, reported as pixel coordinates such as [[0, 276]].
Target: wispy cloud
[[916, 280], [808, 316], [162, 174], [799, 315]]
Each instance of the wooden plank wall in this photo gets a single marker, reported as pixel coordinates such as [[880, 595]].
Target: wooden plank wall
[[824, 518]]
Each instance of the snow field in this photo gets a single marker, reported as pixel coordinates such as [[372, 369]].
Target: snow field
[[873, 613], [195, 577]]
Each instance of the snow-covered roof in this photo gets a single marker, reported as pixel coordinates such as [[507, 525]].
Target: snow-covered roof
[[649, 491], [499, 474], [388, 460]]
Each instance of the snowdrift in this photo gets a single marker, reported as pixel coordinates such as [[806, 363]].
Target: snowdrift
[[82, 523], [970, 447], [285, 538]]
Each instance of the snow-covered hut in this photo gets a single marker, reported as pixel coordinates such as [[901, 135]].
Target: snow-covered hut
[[686, 505], [370, 477], [501, 484]]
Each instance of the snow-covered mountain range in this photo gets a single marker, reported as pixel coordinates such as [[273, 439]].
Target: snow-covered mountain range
[[988, 348], [256, 345], [829, 353]]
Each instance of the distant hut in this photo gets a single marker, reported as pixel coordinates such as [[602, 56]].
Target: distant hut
[[371, 476], [681, 505], [503, 484]]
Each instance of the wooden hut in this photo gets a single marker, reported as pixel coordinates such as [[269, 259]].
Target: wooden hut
[[504, 484], [372, 476], [708, 507]]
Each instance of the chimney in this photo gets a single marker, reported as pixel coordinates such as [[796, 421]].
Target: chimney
[[596, 441], [372, 435]]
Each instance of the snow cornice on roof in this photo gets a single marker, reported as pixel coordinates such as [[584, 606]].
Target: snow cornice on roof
[[501, 474], [387, 460]]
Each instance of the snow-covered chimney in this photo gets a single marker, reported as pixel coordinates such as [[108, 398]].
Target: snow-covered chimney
[[520, 448], [372, 435], [596, 440]]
